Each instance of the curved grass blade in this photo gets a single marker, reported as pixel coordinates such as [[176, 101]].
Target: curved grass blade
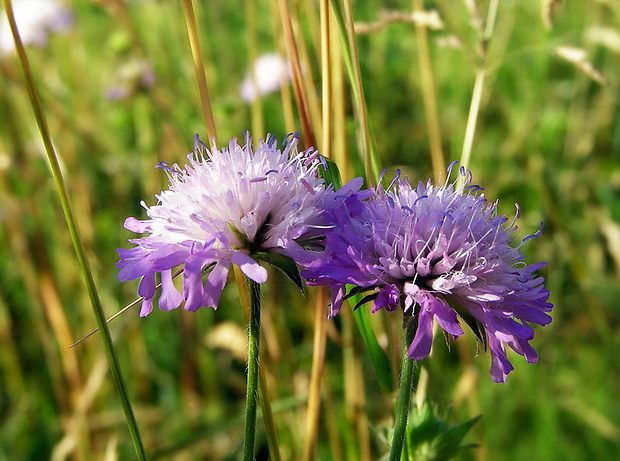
[[344, 22], [74, 233], [378, 357]]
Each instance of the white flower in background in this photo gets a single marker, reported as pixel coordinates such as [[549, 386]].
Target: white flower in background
[[269, 71], [132, 76], [35, 20]]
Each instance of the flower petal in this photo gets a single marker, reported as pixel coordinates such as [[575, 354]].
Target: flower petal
[[214, 285], [337, 296], [420, 347], [147, 307], [146, 288], [170, 298], [193, 290], [388, 298], [249, 267]]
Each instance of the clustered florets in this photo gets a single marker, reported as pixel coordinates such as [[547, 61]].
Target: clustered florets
[[439, 253], [442, 253], [233, 206]]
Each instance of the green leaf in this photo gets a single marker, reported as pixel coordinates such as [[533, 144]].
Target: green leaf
[[331, 174], [378, 357], [365, 299], [449, 444], [284, 263], [474, 324], [356, 290], [432, 438]]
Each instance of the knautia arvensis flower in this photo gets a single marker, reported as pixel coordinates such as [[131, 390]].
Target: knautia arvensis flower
[[442, 253], [238, 205]]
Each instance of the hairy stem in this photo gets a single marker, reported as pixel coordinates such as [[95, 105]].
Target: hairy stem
[[251, 398], [404, 397]]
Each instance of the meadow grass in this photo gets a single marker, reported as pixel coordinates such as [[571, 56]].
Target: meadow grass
[[546, 136]]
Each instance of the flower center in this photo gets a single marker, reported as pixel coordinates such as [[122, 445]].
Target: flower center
[[254, 245], [261, 236]]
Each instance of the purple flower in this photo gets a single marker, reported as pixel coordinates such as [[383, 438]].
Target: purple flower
[[441, 253], [235, 206]]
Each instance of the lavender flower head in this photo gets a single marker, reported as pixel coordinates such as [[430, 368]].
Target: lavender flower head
[[237, 206], [441, 253]]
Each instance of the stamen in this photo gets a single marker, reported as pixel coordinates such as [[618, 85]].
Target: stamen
[[396, 178], [419, 198], [537, 234], [324, 163], [198, 144], [164, 166], [381, 175], [474, 188], [408, 211]]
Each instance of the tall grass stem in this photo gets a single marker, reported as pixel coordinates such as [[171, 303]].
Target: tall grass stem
[[429, 96], [256, 109], [355, 391], [316, 375], [74, 233], [320, 318], [265, 404], [326, 76], [296, 70], [201, 77], [476, 98], [346, 29]]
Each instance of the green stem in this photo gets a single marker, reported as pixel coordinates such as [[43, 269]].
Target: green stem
[[404, 397], [476, 98], [251, 398], [74, 233], [346, 29]]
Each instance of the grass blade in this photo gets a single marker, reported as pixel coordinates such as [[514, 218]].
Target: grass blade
[[192, 31], [78, 245], [378, 357], [344, 21]]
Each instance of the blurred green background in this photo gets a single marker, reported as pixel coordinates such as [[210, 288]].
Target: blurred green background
[[547, 137]]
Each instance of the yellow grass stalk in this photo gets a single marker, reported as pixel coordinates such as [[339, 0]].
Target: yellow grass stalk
[[201, 77], [429, 97], [320, 317], [296, 70]]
